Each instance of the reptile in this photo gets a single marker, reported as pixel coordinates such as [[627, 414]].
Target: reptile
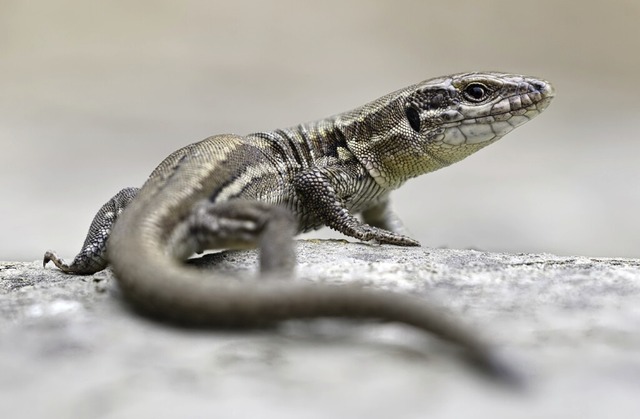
[[260, 190]]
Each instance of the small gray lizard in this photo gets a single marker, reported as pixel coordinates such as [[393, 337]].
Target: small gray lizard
[[229, 191]]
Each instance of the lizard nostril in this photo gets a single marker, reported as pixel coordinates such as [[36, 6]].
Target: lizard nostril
[[538, 85], [542, 87]]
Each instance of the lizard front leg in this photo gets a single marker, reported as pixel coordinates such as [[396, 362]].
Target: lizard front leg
[[92, 257], [322, 190], [381, 215]]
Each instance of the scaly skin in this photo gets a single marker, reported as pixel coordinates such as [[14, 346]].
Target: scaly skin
[[229, 191]]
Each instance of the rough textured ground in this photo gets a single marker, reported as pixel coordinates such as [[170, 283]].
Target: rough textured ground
[[70, 348]]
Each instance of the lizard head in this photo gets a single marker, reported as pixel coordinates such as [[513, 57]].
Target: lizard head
[[438, 122]]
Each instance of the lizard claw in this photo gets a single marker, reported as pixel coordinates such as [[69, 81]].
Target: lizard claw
[[48, 257], [51, 256]]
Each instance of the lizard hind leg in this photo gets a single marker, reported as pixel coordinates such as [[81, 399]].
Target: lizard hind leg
[[92, 257], [241, 224]]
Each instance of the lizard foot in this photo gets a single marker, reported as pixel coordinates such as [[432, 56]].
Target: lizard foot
[[379, 235], [51, 256]]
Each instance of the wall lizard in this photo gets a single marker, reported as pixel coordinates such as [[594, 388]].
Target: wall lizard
[[230, 191]]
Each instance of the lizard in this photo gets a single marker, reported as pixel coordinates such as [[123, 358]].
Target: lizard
[[260, 190]]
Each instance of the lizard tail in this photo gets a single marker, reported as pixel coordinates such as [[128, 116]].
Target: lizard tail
[[168, 291]]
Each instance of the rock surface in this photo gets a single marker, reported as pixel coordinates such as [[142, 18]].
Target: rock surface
[[70, 348]]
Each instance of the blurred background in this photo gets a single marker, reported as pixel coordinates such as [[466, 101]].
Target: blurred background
[[93, 94]]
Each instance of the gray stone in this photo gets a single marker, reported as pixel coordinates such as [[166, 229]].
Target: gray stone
[[70, 348]]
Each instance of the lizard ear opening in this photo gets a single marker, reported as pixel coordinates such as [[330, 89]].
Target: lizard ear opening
[[414, 118]]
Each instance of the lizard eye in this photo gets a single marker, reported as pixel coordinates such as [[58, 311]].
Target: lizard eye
[[475, 92], [414, 118]]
